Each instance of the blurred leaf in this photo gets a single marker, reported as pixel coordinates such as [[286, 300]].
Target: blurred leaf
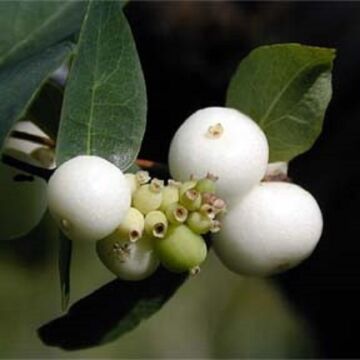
[[104, 110], [286, 89], [27, 28], [45, 110], [19, 83], [111, 311], [65, 251]]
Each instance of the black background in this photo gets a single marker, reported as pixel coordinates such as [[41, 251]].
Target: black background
[[189, 50]]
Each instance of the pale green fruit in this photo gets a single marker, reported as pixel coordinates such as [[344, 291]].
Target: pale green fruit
[[147, 198], [181, 249], [128, 260]]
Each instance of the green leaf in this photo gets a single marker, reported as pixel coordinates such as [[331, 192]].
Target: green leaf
[[111, 311], [286, 89], [45, 110], [65, 251], [104, 110], [27, 28], [20, 81]]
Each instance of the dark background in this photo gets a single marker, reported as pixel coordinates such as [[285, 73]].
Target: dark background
[[189, 50]]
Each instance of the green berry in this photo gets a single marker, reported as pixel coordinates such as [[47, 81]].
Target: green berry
[[127, 260], [181, 249], [170, 194], [148, 197], [133, 225], [132, 182], [206, 184], [156, 224], [187, 185], [199, 223], [191, 199], [176, 213]]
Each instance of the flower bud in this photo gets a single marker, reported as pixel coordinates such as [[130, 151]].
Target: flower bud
[[156, 224]]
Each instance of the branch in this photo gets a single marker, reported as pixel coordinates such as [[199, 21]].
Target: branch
[[45, 174], [33, 138], [24, 166]]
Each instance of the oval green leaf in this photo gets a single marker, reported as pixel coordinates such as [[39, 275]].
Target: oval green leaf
[[104, 110], [286, 89], [27, 28]]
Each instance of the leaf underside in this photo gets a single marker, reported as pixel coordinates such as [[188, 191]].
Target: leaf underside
[[111, 311]]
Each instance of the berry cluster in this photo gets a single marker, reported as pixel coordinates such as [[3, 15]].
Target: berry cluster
[[164, 225], [271, 225], [138, 222]]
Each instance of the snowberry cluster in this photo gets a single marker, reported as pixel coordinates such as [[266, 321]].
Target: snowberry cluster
[[270, 225], [137, 222]]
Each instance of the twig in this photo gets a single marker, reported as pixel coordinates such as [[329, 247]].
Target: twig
[[28, 168], [46, 173], [34, 138]]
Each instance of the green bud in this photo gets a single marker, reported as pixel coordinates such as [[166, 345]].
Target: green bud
[[156, 224], [206, 184], [181, 249], [147, 198], [132, 182], [133, 225], [128, 261], [176, 213], [199, 223], [170, 194], [191, 199]]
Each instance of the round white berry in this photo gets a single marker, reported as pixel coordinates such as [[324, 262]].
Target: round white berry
[[22, 202], [273, 228], [88, 197], [23, 196], [128, 260], [223, 142]]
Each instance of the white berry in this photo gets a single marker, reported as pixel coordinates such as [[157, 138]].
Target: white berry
[[88, 197], [273, 228], [128, 260], [223, 142], [23, 196]]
